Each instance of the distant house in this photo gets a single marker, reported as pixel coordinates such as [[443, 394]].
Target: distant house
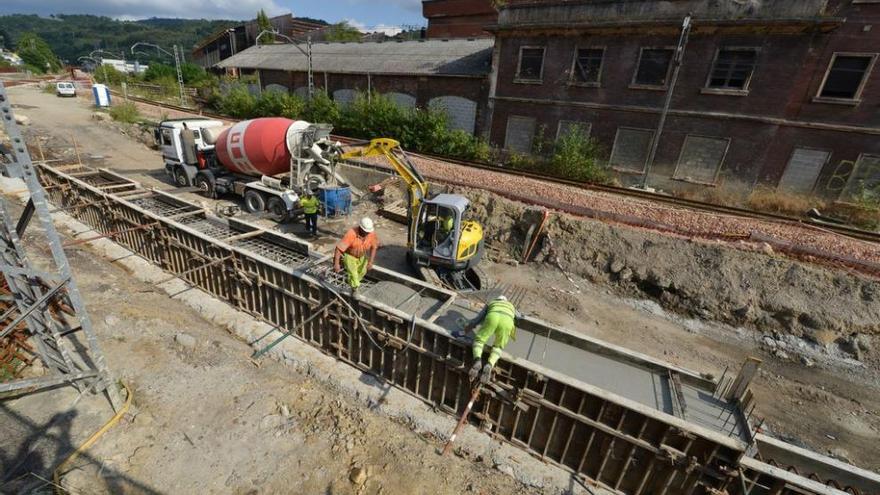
[[127, 66], [452, 75], [224, 44], [10, 57]]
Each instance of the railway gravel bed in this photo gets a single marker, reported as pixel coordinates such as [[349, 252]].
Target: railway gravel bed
[[684, 221]]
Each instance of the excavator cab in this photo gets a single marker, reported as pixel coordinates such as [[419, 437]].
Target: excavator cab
[[441, 237]]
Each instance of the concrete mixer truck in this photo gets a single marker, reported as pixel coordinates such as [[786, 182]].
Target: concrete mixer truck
[[268, 162]]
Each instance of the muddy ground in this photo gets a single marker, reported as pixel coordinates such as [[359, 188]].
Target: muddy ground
[[696, 305]]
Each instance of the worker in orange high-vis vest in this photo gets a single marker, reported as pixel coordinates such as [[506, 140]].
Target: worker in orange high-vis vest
[[357, 252], [498, 319]]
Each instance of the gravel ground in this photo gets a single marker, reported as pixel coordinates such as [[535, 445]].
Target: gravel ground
[[685, 221]]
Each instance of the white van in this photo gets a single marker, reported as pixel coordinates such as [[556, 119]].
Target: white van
[[65, 88]]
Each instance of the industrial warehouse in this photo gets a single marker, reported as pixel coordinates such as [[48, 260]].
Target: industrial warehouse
[[391, 272]]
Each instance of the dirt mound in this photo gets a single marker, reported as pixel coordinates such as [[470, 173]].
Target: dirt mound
[[710, 281]]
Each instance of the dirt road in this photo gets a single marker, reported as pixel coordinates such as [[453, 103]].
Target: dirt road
[[827, 402]]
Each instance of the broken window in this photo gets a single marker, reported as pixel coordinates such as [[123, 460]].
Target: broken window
[[520, 134], [846, 76], [733, 68], [701, 158], [864, 182], [531, 63], [587, 65], [803, 170], [631, 148], [653, 67]]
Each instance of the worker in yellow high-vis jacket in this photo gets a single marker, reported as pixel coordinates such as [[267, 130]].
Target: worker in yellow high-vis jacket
[[497, 318], [309, 203]]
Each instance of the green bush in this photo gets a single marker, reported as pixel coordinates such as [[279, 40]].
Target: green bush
[[278, 104], [125, 112], [577, 156], [238, 103], [368, 117], [107, 74]]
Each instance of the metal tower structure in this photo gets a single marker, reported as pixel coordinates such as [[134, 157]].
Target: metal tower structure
[[46, 300]]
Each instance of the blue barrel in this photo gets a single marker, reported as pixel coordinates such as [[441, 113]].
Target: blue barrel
[[336, 200]]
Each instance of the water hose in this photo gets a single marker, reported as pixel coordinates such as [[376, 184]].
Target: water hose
[[56, 477]]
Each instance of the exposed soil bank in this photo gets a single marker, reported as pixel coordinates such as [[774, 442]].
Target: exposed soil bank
[[772, 294]]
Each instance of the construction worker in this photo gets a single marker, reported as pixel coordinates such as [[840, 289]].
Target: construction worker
[[497, 318], [357, 251], [309, 203]]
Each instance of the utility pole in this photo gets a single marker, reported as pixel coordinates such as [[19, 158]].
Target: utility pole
[[676, 61], [179, 75], [176, 55], [307, 52]]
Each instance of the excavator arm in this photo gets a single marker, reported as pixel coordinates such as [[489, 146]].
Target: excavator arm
[[417, 186]]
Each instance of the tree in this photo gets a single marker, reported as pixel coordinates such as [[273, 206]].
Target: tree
[[264, 24], [37, 55], [343, 31], [5, 40]]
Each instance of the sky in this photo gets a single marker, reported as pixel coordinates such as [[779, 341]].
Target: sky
[[364, 14]]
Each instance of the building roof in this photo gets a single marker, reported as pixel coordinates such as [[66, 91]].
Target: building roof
[[423, 57]]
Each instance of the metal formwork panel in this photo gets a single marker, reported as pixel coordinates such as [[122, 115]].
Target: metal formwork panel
[[618, 443]]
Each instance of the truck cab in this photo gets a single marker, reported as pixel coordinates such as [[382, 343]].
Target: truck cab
[[172, 137]]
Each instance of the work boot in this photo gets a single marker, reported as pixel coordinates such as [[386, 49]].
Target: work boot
[[486, 375], [475, 370]]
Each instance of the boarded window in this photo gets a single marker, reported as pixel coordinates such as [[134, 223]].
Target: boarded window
[[631, 148], [802, 170], [587, 65], [733, 68], [701, 158], [845, 76], [531, 64], [864, 183], [461, 113], [344, 97], [568, 126], [653, 67], [402, 100], [520, 133]]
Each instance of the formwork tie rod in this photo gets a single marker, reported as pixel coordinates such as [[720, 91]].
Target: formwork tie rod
[[195, 269], [290, 332]]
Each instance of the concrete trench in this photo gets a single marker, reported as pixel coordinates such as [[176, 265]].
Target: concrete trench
[[619, 420]]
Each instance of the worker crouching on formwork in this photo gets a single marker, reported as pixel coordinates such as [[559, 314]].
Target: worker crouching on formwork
[[498, 318], [357, 252]]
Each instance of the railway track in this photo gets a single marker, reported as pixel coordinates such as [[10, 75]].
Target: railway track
[[703, 206]]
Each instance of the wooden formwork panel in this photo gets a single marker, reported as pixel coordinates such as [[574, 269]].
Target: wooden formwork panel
[[625, 449]]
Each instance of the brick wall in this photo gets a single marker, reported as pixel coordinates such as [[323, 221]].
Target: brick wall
[[459, 18], [791, 64], [423, 88]]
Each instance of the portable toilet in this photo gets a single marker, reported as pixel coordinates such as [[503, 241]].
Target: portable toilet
[[102, 95]]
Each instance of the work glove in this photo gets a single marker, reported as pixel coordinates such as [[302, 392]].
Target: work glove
[[486, 375], [475, 369]]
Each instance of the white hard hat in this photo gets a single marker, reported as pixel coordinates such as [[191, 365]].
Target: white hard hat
[[366, 224], [501, 298]]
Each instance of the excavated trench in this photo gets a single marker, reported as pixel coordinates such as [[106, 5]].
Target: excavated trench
[[628, 422]]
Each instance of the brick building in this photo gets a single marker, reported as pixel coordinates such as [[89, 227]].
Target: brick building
[[447, 74], [459, 18], [226, 43], [783, 93]]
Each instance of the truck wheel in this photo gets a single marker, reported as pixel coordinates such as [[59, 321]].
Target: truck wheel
[[254, 201], [205, 182], [277, 210], [180, 178]]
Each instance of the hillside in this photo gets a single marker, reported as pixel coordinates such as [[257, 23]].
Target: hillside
[[72, 36]]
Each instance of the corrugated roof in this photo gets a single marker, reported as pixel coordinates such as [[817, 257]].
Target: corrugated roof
[[429, 57]]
